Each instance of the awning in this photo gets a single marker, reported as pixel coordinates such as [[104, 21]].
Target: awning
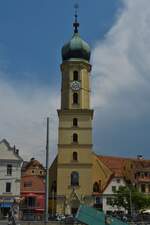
[[40, 210], [6, 205], [31, 194]]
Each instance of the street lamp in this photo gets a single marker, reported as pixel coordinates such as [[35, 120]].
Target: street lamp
[[130, 201]]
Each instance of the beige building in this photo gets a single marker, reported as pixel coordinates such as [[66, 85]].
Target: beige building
[[71, 172], [77, 175]]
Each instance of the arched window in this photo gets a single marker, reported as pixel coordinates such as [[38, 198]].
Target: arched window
[[75, 156], [75, 122], [75, 137], [74, 178], [96, 187], [75, 75], [75, 98]]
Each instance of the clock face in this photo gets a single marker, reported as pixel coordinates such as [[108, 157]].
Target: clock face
[[75, 85]]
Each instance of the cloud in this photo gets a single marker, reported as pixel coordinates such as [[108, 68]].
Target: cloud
[[121, 78], [23, 118]]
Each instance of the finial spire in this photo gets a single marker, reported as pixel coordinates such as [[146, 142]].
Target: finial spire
[[76, 24]]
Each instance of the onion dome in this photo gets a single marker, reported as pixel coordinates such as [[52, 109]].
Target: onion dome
[[76, 48]]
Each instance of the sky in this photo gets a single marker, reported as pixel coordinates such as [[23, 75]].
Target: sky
[[32, 33]]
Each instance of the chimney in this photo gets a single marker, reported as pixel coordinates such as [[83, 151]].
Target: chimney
[[17, 151]]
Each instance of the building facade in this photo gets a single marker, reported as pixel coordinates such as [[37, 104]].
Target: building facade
[[74, 165], [116, 180], [137, 173], [74, 160], [10, 175], [32, 190], [108, 195]]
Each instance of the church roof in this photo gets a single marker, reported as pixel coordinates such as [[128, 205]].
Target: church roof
[[33, 163], [76, 48], [115, 164]]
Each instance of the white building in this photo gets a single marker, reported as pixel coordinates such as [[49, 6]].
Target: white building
[[116, 165], [10, 175], [108, 194]]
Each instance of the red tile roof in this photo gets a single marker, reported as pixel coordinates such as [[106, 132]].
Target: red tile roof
[[114, 163], [142, 164]]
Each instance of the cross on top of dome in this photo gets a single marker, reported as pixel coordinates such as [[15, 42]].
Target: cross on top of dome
[[76, 24]]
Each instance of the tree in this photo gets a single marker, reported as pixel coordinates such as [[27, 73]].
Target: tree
[[130, 198]]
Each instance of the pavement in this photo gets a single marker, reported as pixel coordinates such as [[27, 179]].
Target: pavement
[[5, 222]]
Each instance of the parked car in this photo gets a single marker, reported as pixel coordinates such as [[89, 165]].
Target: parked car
[[60, 217]]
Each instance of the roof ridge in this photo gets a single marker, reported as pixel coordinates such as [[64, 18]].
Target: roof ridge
[[116, 157]]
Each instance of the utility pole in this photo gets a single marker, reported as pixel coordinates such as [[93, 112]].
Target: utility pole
[[47, 173]]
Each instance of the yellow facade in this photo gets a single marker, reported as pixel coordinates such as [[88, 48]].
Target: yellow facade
[[66, 145], [76, 168]]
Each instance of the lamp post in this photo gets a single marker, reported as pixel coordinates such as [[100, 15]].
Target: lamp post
[[130, 200], [47, 173]]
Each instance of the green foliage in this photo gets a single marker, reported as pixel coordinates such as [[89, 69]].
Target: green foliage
[[128, 197]]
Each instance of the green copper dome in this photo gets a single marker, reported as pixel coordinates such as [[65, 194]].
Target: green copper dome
[[76, 48]]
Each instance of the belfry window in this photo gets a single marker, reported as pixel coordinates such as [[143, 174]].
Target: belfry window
[[75, 138], [75, 98], [75, 156], [75, 75], [74, 178], [75, 122]]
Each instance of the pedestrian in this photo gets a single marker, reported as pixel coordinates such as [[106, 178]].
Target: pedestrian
[[107, 220], [11, 219]]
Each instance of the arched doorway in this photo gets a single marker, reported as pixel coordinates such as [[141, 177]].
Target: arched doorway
[[74, 205], [74, 202]]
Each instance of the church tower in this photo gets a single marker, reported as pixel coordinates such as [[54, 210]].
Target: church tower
[[74, 161]]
